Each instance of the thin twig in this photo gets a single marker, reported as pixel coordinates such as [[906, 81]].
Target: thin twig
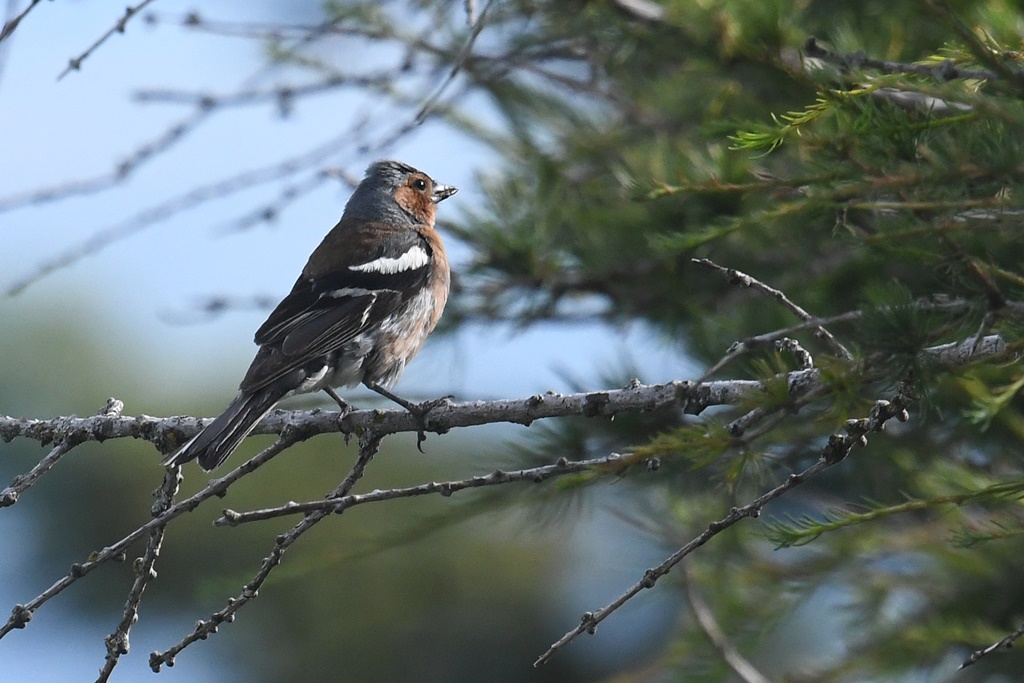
[[983, 329], [204, 108], [107, 236], [117, 642], [270, 211], [369, 443], [200, 195], [744, 280], [283, 96], [11, 24], [21, 614], [590, 620], [740, 665], [614, 462], [744, 346], [75, 63], [1003, 644], [460, 59], [203, 309], [838, 448]]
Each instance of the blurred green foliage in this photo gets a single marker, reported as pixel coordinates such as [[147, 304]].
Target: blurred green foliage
[[709, 134]]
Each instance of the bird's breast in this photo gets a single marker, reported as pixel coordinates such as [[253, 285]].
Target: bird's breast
[[401, 336]]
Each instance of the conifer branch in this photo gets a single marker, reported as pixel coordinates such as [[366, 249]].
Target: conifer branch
[[946, 70], [744, 280], [838, 449], [796, 531]]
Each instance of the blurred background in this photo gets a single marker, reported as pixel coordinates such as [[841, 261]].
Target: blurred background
[[155, 203]]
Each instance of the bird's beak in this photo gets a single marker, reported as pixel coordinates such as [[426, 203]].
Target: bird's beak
[[443, 192]]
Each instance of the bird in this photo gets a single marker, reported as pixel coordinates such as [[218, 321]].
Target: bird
[[362, 308]]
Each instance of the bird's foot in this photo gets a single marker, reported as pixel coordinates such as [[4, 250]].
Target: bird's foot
[[344, 406], [419, 410]]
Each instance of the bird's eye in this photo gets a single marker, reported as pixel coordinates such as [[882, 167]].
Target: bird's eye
[[419, 184]]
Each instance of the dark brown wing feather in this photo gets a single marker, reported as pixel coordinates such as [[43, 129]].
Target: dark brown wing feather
[[331, 304]]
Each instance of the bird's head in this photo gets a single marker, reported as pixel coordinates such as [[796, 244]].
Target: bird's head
[[393, 191]]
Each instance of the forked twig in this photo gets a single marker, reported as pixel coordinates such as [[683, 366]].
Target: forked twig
[[369, 444], [117, 642]]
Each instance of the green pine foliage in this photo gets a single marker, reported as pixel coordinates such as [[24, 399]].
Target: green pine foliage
[[631, 147]]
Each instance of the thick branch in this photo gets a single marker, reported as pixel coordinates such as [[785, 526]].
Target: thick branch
[[692, 397], [168, 433]]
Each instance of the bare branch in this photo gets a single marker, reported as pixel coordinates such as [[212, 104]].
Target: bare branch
[[195, 197], [282, 96], [21, 614], [1003, 644], [209, 307], [743, 346], [9, 496], [692, 397], [744, 280], [614, 462], [740, 665], [166, 433], [123, 169], [369, 444], [269, 212], [75, 63], [838, 448], [463, 55], [117, 642], [943, 71], [11, 24]]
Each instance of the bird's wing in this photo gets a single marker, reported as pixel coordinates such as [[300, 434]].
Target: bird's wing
[[339, 296]]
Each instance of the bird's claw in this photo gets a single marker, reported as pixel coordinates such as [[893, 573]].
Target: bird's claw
[[420, 411]]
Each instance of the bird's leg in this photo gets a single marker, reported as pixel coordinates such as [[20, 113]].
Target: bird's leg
[[419, 410], [345, 406]]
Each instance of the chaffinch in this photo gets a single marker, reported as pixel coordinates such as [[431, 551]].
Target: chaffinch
[[362, 308]]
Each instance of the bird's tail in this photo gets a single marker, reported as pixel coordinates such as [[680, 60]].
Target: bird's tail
[[220, 438]]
